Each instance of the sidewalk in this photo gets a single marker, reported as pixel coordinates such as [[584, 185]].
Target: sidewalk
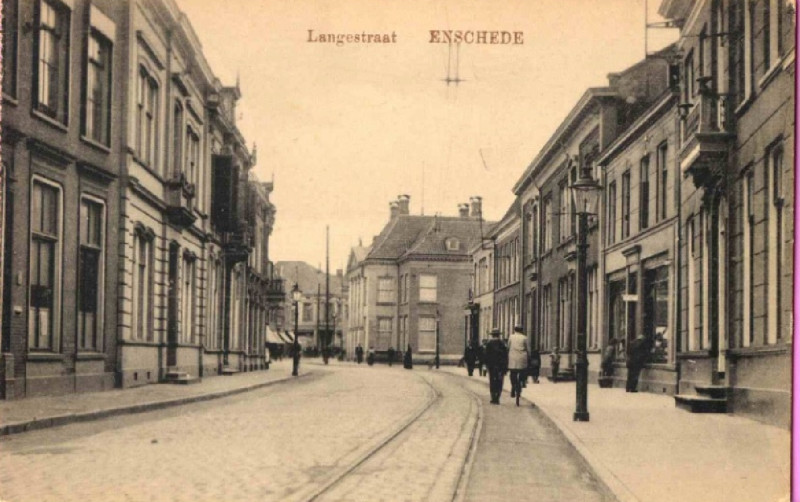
[[645, 449], [41, 412]]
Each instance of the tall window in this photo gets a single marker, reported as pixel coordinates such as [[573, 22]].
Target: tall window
[[146, 118], [10, 39], [384, 332], [97, 113], [612, 212], [192, 156], [626, 204], [773, 175], [308, 312], [644, 192], [661, 180], [143, 276], [689, 83], [427, 334], [748, 222], [547, 231], [385, 290], [565, 216], [177, 139], [188, 299], [52, 60], [427, 288], [90, 270], [741, 32], [535, 232], [45, 266]]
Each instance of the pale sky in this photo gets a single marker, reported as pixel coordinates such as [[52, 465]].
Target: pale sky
[[346, 129]]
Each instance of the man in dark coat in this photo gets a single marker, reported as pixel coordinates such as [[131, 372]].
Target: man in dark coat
[[390, 355], [535, 365], [469, 358], [479, 358], [638, 352], [407, 363], [359, 353], [496, 358]]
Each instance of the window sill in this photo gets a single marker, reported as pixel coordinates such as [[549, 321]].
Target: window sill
[[385, 304], [10, 100], [427, 302], [147, 168], [94, 144], [744, 105], [49, 120], [764, 350], [770, 75], [139, 343], [90, 356], [788, 59], [44, 356]]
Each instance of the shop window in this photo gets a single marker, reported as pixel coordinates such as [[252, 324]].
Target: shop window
[[656, 312]]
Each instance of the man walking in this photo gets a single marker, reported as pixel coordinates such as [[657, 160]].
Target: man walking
[[359, 353], [496, 359], [390, 355], [469, 358], [518, 354]]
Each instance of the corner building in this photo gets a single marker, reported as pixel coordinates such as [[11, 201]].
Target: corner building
[[63, 68]]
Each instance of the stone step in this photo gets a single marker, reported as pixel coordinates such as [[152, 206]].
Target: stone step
[[227, 370], [180, 377], [715, 391], [701, 404]]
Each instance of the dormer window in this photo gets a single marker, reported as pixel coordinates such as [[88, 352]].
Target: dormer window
[[452, 244]]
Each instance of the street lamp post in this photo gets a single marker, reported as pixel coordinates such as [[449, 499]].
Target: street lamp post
[[436, 359], [296, 297], [585, 193]]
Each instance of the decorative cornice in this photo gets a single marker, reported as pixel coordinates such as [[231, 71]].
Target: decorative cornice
[[52, 153], [96, 172]]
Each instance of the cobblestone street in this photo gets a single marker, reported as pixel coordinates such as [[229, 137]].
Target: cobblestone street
[[343, 433]]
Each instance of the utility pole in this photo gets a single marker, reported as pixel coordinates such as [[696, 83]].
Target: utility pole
[[327, 292]]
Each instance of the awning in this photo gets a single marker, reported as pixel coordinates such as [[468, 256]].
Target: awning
[[287, 336], [273, 337]]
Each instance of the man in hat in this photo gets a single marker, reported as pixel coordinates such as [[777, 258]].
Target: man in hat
[[496, 359], [518, 354]]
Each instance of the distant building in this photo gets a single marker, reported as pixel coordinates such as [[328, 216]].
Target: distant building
[[482, 294], [312, 329], [506, 299], [412, 282]]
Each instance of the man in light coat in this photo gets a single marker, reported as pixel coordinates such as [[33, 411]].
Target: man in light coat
[[518, 354]]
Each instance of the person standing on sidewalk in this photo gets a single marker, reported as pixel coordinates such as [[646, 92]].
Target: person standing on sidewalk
[[555, 362], [535, 365], [390, 355], [638, 352], [407, 362], [496, 358], [518, 354]]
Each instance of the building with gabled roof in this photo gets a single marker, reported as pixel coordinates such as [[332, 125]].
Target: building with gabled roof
[[411, 282]]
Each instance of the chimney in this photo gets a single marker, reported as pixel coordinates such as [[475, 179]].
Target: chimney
[[393, 209], [463, 210], [475, 206], [402, 203]]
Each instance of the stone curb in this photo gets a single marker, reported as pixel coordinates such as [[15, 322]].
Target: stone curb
[[87, 416], [616, 487]]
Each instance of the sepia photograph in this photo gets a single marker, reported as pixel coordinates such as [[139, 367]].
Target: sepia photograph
[[400, 251]]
